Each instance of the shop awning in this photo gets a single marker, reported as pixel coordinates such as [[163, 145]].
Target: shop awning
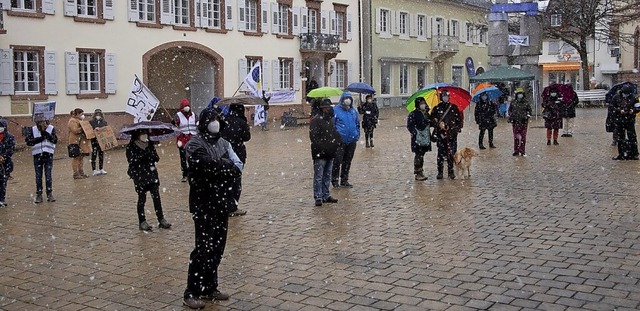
[[563, 66], [609, 69]]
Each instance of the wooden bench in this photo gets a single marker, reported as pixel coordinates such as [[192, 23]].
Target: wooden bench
[[591, 97]]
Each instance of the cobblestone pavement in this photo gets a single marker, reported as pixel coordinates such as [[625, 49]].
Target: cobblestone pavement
[[556, 230]]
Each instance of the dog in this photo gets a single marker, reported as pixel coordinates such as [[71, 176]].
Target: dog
[[462, 161]]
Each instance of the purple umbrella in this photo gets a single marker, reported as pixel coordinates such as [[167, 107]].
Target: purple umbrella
[[157, 130]]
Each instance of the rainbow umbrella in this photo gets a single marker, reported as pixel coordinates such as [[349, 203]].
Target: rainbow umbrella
[[457, 96], [430, 96]]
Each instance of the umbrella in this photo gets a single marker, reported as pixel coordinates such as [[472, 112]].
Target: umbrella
[[434, 85], [246, 100], [428, 95], [360, 87], [481, 86], [565, 91], [491, 91], [457, 96], [325, 91], [157, 130], [614, 89]]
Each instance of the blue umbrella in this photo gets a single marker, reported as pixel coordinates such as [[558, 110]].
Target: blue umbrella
[[492, 91], [614, 89], [436, 85], [360, 87]]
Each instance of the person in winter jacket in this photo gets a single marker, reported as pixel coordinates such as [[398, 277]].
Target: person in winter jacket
[[419, 120], [625, 107], [324, 144], [552, 115], [186, 121], [369, 112], [448, 121], [97, 122], [519, 114], [265, 125], [348, 126], [42, 139], [214, 167], [569, 115], [77, 137], [485, 114], [7, 148], [236, 131], [142, 157]]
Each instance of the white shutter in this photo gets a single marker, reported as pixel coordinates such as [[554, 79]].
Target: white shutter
[[71, 73], [413, 21], [50, 73], [48, 7], [110, 73], [324, 21], [334, 22], [445, 27], [296, 21], [6, 71], [434, 26], [332, 64], [204, 14], [428, 21], [70, 8], [242, 72], [264, 19], [133, 11], [395, 22], [265, 75], [197, 13], [349, 32], [107, 7], [242, 22], [276, 75], [6, 5], [296, 74], [304, 19], [166, 13], [275, 28], [463, 31], [228, 25], [350, 73], [378, 20]]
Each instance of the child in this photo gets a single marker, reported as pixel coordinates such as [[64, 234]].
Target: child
[[142, 158]]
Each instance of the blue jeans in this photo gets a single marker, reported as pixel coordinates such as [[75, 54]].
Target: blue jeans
[[43, 161], [321, 178]]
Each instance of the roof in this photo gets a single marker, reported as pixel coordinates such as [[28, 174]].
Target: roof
[[503, 73]]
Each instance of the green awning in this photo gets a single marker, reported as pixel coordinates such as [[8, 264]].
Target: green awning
[[503, 73]]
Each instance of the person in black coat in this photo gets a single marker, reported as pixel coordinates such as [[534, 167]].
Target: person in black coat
[[324, 145], [485, 114], [97, 121], [448, 121], [42, 139], [419, 120], [236, 131], [625, 107], [7, 148], [370, 113], [552, 114], [142, 157], [214, 168], [569, 115]]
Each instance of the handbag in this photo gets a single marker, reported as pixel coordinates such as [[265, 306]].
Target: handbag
[[74, 150], [423, 138], [546, 114]]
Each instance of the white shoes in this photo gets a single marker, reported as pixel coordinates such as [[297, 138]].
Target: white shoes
[[103, 172], [99, 172]]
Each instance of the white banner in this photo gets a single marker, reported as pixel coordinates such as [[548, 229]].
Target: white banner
[[259, 116], [518, 40], [44, 111], [142, 104], [252, 80], [281, 96]]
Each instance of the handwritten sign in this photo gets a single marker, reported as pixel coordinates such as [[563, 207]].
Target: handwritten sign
[[44, 111], [141, 104], [106, 138], [87, 129]]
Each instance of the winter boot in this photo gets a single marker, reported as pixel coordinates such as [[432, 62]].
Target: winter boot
[[367, 144], [555, 142], [371, 143], [420, 176]]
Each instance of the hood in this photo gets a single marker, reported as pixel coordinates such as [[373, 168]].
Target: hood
[[236, 110], [4, 124], [98, 112], [206, 116], [345, 95], [184, 103], [213, 101]]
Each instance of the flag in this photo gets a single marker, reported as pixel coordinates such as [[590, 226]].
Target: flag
[[253, 80], [518, 40], [141, 104], [259, 115]]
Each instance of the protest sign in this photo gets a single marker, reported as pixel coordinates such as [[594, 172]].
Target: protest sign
[[141, 104], [44, 111], [87, 129], [106, 138]]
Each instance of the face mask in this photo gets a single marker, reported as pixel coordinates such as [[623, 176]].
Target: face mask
[[143, 138], [1, 130], [483, 97], [213, 127], [346, 102], [445, 99], [98, 118], [519, 96], [82, 117], [369, 101], [423, 106], [187, 109], [554, 94]]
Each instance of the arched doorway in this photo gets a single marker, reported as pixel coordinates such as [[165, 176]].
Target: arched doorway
[[182, 69]]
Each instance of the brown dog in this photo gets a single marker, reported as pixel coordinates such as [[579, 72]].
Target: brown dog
[[462, 161]]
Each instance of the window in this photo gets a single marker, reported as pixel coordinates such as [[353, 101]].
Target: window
[[556, 20], [211, 14], [250, 15], [89, 64], [147, 11], [455, 29], [439, 31], [554, 48], [482, 35], [181, 12], [313, 20], [29, 8], [281, 19], [26, 5], [341, 74], [385, 78], [422, 26], [456, 75], [469, 33], [568, 49], [87, 8], [340, 28], [421, 74], [26, 72], [404, 24], [285, 77], [1, 21], [385, 21], [404, 79]]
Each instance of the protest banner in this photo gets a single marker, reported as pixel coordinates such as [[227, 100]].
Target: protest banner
[[43, 111], [141, 104], [106, 138], [87, 129]]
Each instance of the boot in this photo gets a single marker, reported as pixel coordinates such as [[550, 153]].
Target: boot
[[38, 198], [491, 145], [482, 147], [420, 176], [555, 142], [548, 142], [367, 143], [371, 143]]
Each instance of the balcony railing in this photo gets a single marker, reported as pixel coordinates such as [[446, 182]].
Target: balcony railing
[[444, 43], [320, 42]]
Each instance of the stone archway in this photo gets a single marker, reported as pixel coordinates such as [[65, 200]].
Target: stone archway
[[183, 69]]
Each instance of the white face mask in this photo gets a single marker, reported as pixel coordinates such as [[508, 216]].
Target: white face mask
[[98, 118], [81, 117], [445, 99], [187, 109], [423, 106], [520, 96], [143, 138], [346, 102], [213, 127], [483, 97], [554, 94], [369, 101], [1, 130]]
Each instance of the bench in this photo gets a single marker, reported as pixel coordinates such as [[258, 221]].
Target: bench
[[591, 97]]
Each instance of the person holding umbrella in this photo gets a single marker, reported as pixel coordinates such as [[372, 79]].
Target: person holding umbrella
[[569, 115], [236, 131], [369, 112], [447, 120], [418, 124], [519, 114], [552, 115], [485, 115]]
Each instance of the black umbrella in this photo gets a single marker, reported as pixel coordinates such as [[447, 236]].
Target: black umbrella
[[156, 130], [614, 89]]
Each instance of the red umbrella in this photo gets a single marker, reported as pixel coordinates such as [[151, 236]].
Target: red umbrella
[[564, 90], [457, 96]]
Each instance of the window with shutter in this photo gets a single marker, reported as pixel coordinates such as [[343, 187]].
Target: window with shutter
[[6, 71], [28, 72], [91, 67]]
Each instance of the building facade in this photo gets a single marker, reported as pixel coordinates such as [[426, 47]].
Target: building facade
[[408, 44], [629, 51], [85, 54]]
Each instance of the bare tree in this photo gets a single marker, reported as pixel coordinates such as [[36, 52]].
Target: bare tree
[[577, 21]]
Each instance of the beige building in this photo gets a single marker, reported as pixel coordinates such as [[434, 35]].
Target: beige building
[[408, 44], [629, 53], [84, 53]]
